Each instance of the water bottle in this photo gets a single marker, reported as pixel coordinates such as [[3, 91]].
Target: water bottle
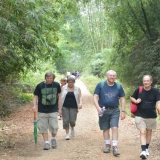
[[102, 109]]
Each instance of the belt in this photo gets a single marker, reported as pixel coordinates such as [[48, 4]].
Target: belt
[[111, 108]]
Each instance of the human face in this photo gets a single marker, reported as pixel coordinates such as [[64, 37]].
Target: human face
[[63, 82], [71, 84], [147, 82], [49, 80], [111, 77]]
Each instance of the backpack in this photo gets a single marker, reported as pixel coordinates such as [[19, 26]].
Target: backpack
[[118, 85], [133, 106]]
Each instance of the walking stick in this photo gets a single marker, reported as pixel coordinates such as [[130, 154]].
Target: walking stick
[[35, 128]]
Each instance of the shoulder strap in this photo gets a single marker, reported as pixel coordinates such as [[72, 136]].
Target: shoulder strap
[[102, 84], [118, 85], [140, 89]]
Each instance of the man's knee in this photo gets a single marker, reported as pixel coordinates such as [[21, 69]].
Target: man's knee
[[143, 132], [114, 129]]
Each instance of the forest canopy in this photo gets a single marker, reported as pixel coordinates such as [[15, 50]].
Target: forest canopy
[[29, 33], [91, 36]]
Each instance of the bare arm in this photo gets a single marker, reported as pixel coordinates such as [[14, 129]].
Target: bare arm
[[35, 105], [123, 107], [136, 101], [96, 99], [80, 99], [59, 104], [158, 106], [123, 103]]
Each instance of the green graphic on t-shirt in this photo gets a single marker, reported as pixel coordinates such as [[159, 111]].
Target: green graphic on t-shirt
[[49, 96]]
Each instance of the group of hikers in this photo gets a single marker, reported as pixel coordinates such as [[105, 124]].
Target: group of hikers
[[51, 99], [75, 74]]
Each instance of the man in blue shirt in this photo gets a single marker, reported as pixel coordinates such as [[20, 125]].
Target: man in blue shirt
[[107, 95]]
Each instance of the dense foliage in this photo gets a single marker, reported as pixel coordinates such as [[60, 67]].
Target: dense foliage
[[136, 24], [91, 36], [84, 35], [29, 36], [28, 31], [114, 34]]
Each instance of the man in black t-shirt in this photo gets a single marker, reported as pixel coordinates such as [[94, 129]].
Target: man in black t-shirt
[[146, 113], [47, 95]]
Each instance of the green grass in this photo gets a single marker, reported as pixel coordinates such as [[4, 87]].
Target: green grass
[[91, 82]]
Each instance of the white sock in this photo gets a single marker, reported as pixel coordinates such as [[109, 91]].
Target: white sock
[[47, 142], [114, 142], [107, 141]]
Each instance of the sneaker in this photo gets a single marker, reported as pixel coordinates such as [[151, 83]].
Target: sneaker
[[46, 146], [54, 143], [147, 152], [72, 132], [115, 151], [107, 149], [67, 137], [143, 155]]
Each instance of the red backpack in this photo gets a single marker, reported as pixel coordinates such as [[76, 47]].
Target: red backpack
[[133, 106]]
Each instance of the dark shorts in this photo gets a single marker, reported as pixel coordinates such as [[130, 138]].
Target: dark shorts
[[109, 119]]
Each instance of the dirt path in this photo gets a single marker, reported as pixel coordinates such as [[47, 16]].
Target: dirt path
[[86, 145]]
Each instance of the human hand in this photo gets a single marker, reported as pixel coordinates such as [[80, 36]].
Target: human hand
[[80, 106], [138, 101], [34, 108], [123, 115], [99, 109]]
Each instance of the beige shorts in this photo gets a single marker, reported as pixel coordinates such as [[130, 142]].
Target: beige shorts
[[47, 121], [145, 123]]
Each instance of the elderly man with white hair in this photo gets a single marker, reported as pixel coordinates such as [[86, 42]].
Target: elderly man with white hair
[[107, 96], [146, 112]]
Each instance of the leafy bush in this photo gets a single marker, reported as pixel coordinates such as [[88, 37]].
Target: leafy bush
[[90, 81], [128, 91], [24, 97], [4, 111]]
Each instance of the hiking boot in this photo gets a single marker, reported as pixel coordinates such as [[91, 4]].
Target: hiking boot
[[46, 146], [147, 152], [143, 155], [107, 149], [72, 132], [115, 151], [54, 143], [67, 137]]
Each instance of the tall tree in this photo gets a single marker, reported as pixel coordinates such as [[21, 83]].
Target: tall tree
[[86, 33], [28, 31], [136, 24]]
